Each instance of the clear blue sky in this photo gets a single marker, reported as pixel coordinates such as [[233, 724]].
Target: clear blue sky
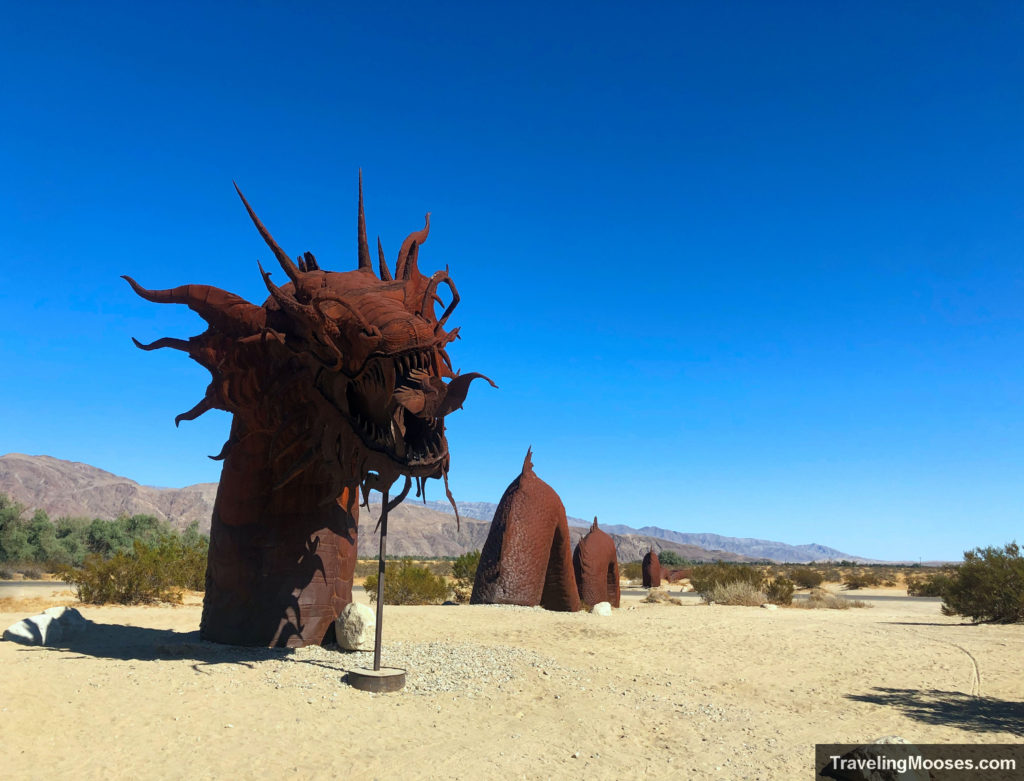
[[745, 268]]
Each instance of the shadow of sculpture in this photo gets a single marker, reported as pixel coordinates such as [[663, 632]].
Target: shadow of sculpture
[[951, 709], [135, 643]]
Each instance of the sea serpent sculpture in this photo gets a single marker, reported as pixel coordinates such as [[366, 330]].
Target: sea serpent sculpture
[[336, 385], [596, 565], [527, 557]]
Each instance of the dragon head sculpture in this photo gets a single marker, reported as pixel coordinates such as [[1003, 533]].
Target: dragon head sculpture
[[355, 381], [338, 382]]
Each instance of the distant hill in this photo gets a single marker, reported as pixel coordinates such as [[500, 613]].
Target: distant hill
[[72, 489], [68, 488], [744, 546]]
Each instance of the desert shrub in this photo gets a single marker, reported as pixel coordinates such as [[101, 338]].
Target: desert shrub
[[406, 583], [632, 570], [439, 567], [705, 577], [819, 599], [780, 591], [660, 596], [933, 585], [6, 573], [149, 573], [805, 577], [366, 567], [464, 573], [988, 586], [860, 579], [832, 575], [31, 571], [736, 592]]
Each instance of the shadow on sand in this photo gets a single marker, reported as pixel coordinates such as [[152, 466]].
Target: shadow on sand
[[951, 709], [117, 641]]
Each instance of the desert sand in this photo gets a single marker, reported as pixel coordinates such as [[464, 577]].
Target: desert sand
[[655, 690]]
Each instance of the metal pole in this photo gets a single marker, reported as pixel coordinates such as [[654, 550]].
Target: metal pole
[[380, 581]]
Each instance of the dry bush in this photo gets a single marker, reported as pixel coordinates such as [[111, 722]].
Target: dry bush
[[780, 591], [805, 577], [660, 596], [463, 571], [157, 572], [706, 577], [860, 579], [738, 592], [408, 584], [819, 599], [632, 570]]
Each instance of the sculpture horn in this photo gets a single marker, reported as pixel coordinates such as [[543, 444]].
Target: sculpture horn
[[385, 272], [225, 311], [282, 257], [406, 262], [364, 248]]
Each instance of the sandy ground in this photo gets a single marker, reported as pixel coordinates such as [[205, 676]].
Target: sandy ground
[[692, 691]]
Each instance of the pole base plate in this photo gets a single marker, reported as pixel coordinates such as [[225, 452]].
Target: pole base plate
[[386, 679]]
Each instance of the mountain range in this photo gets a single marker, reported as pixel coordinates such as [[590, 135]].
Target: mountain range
[[72, 489]]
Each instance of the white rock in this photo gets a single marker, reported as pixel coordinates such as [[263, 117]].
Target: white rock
[[602, 609], [70, 620], [770, 606], [355, 627], [37, 630]]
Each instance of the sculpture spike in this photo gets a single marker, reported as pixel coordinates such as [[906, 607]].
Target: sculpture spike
[[203, 406], [282, 257], [364, 248], [385, 272], [167, 341]]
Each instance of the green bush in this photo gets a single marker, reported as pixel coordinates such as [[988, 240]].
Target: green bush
[[988, 586], [780, 591], [706, 576], [805, 577], [464, 572], [933, 585], [406, 583], [669, 558], [860, 579], [67, 541], [149, 573]]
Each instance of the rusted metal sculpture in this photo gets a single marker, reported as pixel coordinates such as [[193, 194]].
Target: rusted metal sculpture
[[596, 565], [651, 569], [335, 386], [527, 558]]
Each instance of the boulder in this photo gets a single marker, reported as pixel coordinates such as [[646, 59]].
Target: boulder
[[36, 630], [69, 618], [602, 609], [356, 627]]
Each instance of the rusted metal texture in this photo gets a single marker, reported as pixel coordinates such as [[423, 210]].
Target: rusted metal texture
[[596, 565], [527, 558], [336, 384], [651, 569]]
